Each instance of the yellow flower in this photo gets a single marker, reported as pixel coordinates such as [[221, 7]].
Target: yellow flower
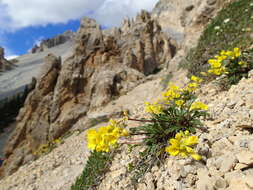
[[173, 87], [173, 92], [237, 52], [105, 137], [214, 63], [179, 102], [223, 52], [196, 79], [242, 63], [181, 145], [217, 71], [230, 54], [191, 140], [124, 133], [153, 108], [198, 106], [191, 87], [92, 139], [221, 58], [113, 123]]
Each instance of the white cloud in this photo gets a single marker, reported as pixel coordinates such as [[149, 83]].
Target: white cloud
[[11, 57], [16, 14], [38, 40], [112, 12], [8, 53]]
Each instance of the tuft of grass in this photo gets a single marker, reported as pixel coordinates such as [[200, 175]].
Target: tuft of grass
[[95, 121], [232, 27], [93, 173], [47, 148]]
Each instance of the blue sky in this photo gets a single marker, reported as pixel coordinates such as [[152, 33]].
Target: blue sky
[[20, 41], [25, 22]]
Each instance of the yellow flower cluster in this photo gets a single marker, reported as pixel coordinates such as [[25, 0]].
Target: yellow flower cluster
[[173, 92], [194, 84], [154, 108], [196, 79], [198, 106], [217, 66], [174, 95], [230, 54], [182, 145], [179, 103], [105, 137]]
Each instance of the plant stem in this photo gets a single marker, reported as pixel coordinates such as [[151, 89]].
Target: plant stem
[[141, 120], [139, 134]]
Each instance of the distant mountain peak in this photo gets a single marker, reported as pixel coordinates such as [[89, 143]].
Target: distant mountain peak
[[52, 42]]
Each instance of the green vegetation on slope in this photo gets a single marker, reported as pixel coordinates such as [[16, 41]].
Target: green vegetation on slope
[[95, 168], [232, 27]]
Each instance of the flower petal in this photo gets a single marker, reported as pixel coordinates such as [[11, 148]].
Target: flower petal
[[173, 151], [196, 156]]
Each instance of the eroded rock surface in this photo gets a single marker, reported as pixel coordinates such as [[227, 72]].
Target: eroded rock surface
[[184, 20]]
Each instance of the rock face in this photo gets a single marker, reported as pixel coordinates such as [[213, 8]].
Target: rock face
[[4, 64], [105, 64], [184, 20], [55, 41], [146, 46]]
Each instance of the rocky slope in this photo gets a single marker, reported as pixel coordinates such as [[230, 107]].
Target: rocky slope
[[104, 65], [227, 149]]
